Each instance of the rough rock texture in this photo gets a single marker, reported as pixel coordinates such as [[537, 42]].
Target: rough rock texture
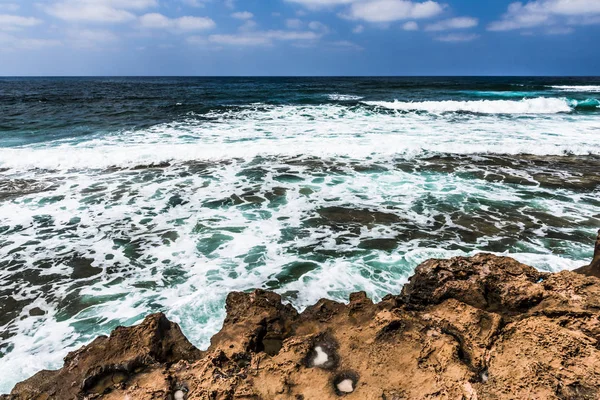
[[485, 327], [594, 268], [107, 361]]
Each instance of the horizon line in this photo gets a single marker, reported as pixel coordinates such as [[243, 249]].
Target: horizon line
[[299, 76]]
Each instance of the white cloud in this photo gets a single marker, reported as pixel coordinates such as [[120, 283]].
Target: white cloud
[[345, 45], [560, 31], [242, 15], [318, 26], [410, 26], [249, 25], [10, 43], [546, 13], [194, 3], [316, 4], [197, 40], [293, 23], [11, 7], [239, 40], [264, 38], [159, 21], [378, 11], [453, 23], [392, 10], [194, 23], [16, 22], [457, 37], [358, 29], [112, 11]]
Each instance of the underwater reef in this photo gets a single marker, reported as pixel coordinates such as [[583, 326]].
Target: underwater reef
[[484, 327]]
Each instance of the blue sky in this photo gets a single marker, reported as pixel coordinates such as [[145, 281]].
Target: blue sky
[[299, 37]]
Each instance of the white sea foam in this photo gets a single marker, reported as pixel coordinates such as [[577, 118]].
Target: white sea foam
[[541, 105], [343, 97], [581, 88], [324, 131]]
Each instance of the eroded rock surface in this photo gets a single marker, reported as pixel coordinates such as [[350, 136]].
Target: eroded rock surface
[[594, 268], [485, 327]]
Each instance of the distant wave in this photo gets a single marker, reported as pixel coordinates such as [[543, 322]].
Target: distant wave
[[504, 93], [343, 97], [541, 105], [587, 89]]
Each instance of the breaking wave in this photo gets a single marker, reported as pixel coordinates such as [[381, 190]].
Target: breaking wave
[[580, 88], [541, 105]]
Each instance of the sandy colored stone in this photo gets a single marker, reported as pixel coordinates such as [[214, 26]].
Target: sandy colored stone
[[484, 327]]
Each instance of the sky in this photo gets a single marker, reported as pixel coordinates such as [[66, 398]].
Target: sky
[[299, 37]]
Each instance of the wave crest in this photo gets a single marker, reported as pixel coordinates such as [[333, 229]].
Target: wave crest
[[541, 105], [343, 97], [587, 89]]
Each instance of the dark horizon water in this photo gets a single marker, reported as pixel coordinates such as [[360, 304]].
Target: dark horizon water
[[124, 196]]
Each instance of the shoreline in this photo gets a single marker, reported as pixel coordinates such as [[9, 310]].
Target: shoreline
[[483, 327]]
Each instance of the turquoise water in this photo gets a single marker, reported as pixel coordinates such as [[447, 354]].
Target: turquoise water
[[121, 197]]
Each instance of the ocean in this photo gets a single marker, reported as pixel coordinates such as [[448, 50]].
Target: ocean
[[120, 197]]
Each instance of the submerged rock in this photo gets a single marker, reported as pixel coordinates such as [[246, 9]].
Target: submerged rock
[[484, 327]]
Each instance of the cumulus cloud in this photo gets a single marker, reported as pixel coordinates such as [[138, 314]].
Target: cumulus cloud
[[453, 23], [546, 13], [11, 7], [318, 26], [248, 25], [293, 23], [378, 11], [560, 31], [11, 43], [457, 37], [316, 4], [358, 29], [110, 11], [345, 45], [392, 10], [182, 24], [410, 26], [242, 15], [264, 38], [16, 22], [194, 3]]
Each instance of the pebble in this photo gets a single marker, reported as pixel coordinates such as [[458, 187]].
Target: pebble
[[321, 357], [179, 395], [346, 386]]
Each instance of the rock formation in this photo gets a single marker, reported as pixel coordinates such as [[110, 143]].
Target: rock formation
[[594, 268], [485, 327]]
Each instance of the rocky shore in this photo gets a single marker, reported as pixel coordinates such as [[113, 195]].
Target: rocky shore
[[484, 327]]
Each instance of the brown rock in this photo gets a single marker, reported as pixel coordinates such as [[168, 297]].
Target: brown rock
[[594, 268], [485, 327], [108, 361], [487, 282]]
